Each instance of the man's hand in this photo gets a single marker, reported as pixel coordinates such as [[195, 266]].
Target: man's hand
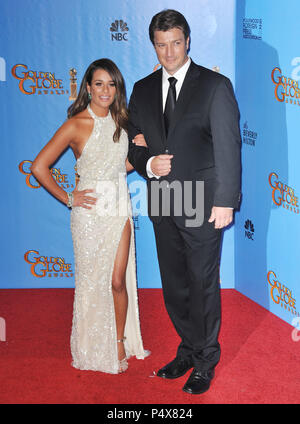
[[161, 165], [221, 216]]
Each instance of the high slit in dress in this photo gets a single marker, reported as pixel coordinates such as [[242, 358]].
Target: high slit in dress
[[96, 234]]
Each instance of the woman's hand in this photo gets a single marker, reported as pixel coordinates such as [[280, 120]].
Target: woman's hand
[[139, 140], [82, 199]]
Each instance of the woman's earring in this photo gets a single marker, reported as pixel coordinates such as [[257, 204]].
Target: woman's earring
[[89, 96]]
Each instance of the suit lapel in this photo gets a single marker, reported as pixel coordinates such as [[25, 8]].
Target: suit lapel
[[156, 105], [186, 93]]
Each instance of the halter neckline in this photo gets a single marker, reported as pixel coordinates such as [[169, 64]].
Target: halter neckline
[[93, 115]]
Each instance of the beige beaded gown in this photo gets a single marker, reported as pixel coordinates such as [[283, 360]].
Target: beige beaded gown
[[96, 235]]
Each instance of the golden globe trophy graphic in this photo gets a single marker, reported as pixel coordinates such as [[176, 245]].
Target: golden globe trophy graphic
[[73, 84]]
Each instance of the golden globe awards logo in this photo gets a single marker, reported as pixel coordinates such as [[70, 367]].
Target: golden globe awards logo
[[281, 294], [282, 194], [47, 266], [60, 178], [37, 82], [286, 89]]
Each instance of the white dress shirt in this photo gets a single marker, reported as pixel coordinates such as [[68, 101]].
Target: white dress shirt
[[179, 75]]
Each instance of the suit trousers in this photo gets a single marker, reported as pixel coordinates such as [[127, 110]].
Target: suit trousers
[[189, 265]]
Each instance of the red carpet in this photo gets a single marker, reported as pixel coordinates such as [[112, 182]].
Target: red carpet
[[260, 363]]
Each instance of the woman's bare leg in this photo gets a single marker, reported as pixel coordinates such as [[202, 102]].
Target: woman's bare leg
[[119, 286]]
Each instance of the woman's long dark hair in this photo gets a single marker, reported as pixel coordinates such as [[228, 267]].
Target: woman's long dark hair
[[118, 108]]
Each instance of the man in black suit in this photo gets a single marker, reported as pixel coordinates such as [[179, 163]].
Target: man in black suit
[[190, 120]]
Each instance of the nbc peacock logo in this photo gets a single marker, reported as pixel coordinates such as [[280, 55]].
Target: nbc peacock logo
[[249, 229], [119, 30]]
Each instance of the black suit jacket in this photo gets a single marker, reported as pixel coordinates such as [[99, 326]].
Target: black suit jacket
[[204, 134]]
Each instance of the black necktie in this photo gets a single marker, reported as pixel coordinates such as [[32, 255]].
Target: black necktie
[[170, 103]]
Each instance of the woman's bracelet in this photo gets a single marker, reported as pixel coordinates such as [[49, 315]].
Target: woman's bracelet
[[70, 200]]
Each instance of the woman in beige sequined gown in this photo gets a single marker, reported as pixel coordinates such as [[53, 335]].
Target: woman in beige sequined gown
[[106, 328]]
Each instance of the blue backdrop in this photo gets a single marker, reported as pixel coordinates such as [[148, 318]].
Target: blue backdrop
[[254, 43], [267, 230]]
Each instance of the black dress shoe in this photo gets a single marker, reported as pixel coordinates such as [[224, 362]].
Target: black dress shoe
[[177, 368], [198, 382]]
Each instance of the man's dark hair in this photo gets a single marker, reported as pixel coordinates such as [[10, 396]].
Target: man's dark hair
[[166, 20]]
